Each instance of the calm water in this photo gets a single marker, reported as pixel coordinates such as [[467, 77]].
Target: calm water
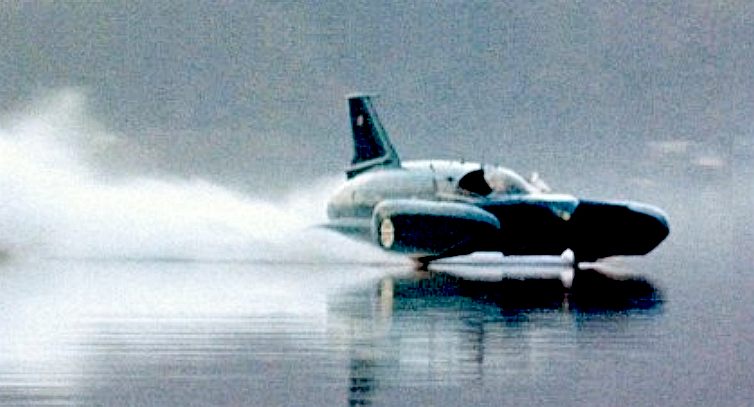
[[657, 330]]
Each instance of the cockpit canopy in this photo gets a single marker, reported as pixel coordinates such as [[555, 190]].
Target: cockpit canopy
[[490, 180]]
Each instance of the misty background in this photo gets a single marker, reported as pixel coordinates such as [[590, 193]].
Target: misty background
[[168, 132], [642, 100]]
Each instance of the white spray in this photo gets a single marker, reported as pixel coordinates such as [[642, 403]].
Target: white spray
[[53, 204]]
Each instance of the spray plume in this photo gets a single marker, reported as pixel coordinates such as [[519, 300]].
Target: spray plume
[[54, 204]]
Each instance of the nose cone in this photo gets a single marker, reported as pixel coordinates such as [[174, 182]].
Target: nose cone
[[602, 229], [650, 224]]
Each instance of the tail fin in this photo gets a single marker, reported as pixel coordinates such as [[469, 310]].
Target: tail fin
[[372, 146]]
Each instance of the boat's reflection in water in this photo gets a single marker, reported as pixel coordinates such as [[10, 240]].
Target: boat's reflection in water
[[231, 334], [587, 290], [464, 329]]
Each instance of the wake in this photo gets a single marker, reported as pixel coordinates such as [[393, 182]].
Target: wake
[[55, 204]]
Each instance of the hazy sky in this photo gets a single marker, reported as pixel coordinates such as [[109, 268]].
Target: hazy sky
[[252, 92]]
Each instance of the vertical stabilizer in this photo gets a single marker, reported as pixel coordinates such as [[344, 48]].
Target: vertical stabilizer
[[372, 148]]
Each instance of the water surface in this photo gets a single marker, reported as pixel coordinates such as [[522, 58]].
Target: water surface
[[189, 333]]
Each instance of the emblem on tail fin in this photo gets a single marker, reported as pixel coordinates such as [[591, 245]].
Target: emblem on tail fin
[[372, 147]]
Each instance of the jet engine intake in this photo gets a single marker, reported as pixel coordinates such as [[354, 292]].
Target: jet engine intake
[[425, 228]]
